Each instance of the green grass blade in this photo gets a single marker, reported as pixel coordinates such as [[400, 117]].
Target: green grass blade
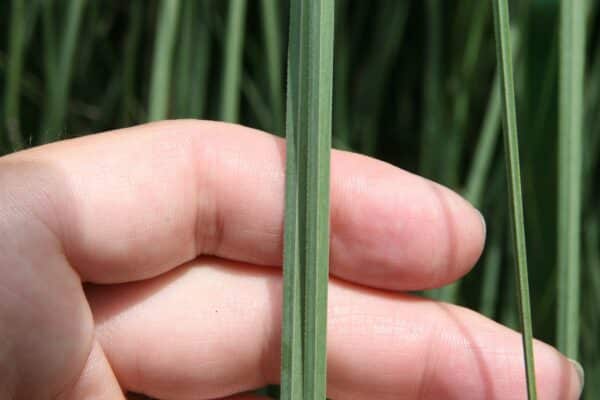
[[130, 56], [478, 178], [230, 87], [321, 20], [61, 69], [486, 145], [256, 103], [432, 91], [193, 56], [185, 51], [13, 79], [69, 44], [271, 33], [504, 56], [390, 26], [342, 133], [453, 152], [491, 266], [201, 62], [509, 316], [292, 374], [488, 136], [306, 248], [492, 263], [164, 44], [572, 59], [50, 48]]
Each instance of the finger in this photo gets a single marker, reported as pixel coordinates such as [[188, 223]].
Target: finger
[[212, 328], [134, 203]]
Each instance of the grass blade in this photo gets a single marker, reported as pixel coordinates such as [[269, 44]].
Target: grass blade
[[454, 150], [342, 133], [491, 266], [185, 51], [292, 374], [230, 88], [504, 56], [61, 69], [306, 248], [478, 178], [570, 138], [493, 258], [160, 84], [270, 11], [488, 136], [256, 102], [432, 91], [130, 56], [50, 50], [13, 79], [390, 26], [486, 145], [193, 56], [201, 63]]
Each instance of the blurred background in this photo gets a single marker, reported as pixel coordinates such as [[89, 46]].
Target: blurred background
[[414, 84]]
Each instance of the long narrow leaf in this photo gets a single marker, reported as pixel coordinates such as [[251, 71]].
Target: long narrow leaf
[[390, 28], [432, 91], [61, 68], [160, 85], [270, 10], [201, 63], [13, 79], [486, 145], [572, 58], [130, 55], [504, 56], [306, 249], [455, 148], [185, 50], [292, 376], [230, 88], [488, 135]]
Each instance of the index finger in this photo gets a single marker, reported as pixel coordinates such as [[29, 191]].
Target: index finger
[[133, 203]]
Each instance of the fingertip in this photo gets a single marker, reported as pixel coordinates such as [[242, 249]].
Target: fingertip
[[580, 374], [396, 230], [553, 370], [483, 224], [461, 229]]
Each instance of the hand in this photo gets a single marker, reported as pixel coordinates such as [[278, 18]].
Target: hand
[[175, 228]]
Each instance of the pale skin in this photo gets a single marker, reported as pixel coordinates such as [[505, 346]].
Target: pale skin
[[175, 229]]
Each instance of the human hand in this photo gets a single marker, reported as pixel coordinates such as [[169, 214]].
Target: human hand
[[176, 230]]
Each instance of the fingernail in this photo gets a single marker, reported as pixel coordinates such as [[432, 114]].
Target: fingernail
[[580, 374], [483, 224]]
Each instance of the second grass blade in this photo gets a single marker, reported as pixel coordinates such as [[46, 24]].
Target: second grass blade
[[570, 152], [160, 85], [504, 57], [306, 248], [232, 60]]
